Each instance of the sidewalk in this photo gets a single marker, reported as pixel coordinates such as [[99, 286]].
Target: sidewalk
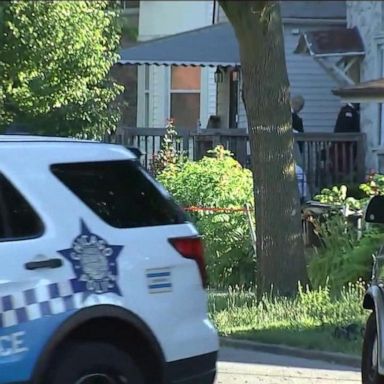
[[332, 357]]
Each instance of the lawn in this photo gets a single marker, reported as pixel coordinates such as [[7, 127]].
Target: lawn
[[313, 319]]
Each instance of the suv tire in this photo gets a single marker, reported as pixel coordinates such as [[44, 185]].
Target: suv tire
[[369, 368], [93, 363]]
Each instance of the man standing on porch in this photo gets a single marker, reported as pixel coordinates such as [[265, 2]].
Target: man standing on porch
[[297, 104]]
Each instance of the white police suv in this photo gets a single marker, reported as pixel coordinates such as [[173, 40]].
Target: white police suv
[[102, 276]]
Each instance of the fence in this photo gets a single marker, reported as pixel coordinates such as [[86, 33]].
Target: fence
[[326, 158]]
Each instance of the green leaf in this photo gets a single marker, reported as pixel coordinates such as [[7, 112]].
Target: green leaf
[[54, 62]]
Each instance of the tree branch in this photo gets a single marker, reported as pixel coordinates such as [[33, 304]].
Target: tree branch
[[234, 9]]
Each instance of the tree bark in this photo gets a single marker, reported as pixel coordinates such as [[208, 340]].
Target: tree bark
[[280, 249]]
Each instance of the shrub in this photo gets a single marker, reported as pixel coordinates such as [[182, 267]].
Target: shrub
[[339, 196], [168, 153], [344, 257], [218, 181], [374, 185]]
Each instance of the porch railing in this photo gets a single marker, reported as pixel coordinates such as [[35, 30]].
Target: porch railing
[[326, 158]]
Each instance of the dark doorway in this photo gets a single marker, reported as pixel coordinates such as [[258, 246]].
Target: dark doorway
[[233, 98]]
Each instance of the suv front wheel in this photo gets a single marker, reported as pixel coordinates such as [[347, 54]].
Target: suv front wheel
[[93, 363], [369, 369]]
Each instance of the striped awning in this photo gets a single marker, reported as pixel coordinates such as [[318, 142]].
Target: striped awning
[[215, 45]]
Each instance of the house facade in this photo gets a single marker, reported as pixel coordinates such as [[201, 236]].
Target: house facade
[[191, 95], [185, 93], [368, 17]]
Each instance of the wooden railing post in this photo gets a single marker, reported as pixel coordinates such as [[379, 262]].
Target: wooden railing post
[[326, 158], [360, 158]]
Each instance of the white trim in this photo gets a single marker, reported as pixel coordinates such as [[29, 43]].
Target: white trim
[[334, 71], [140, 97], [184, 90], [167, 94], [204, 97], [296, 20], [342, 54], [170, 91]]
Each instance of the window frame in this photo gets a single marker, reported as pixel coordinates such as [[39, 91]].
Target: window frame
[[182, 91], [4, 215], [167, 199]]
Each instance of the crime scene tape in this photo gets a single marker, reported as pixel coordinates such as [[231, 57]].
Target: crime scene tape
[[214, 209]]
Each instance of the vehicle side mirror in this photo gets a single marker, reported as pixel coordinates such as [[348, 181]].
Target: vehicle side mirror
[[375, 210]]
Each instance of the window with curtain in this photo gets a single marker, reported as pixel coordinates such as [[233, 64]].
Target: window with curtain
[[185, 96]]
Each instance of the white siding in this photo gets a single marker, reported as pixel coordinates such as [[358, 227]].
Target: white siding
[[243, 122], [211, 92], [140, 100], [162, 18], [223, 101], [207, 95], [308, 79], [161, 98], [368, 17]]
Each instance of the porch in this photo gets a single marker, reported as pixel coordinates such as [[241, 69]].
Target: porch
[[326, 158]]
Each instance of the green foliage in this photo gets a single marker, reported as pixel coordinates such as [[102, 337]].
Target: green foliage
[[218, 182], [354, 197], [311, 319], [374, 185], [55, 57], [338, 196], [168, 155], [344, 257]]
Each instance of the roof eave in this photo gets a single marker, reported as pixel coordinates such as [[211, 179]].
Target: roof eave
[[359, 96], [178, 63]]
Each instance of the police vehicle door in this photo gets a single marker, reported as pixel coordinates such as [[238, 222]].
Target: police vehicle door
[[28, 270]]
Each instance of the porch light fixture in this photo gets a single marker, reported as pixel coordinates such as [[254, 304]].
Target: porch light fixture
[[219, 75]]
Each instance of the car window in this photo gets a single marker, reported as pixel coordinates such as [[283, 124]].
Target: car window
[[120, 192], [18, 220]]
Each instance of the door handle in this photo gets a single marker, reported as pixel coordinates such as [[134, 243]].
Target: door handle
[[49, 263]]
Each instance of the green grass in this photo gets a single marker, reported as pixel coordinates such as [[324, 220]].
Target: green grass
[[313, 319]]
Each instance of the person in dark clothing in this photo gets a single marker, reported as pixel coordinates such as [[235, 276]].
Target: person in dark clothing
[[348, 119], [344, 157], [297, 104], [297, 123]]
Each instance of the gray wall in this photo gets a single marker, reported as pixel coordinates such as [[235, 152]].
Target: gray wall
[[311, 81]]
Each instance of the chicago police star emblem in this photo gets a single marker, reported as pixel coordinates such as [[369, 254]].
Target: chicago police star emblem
[[94, 263]]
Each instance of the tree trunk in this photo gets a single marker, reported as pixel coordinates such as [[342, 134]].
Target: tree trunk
[[280, 249]]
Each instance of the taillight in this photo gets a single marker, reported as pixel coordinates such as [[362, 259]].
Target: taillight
[[192, 248]]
